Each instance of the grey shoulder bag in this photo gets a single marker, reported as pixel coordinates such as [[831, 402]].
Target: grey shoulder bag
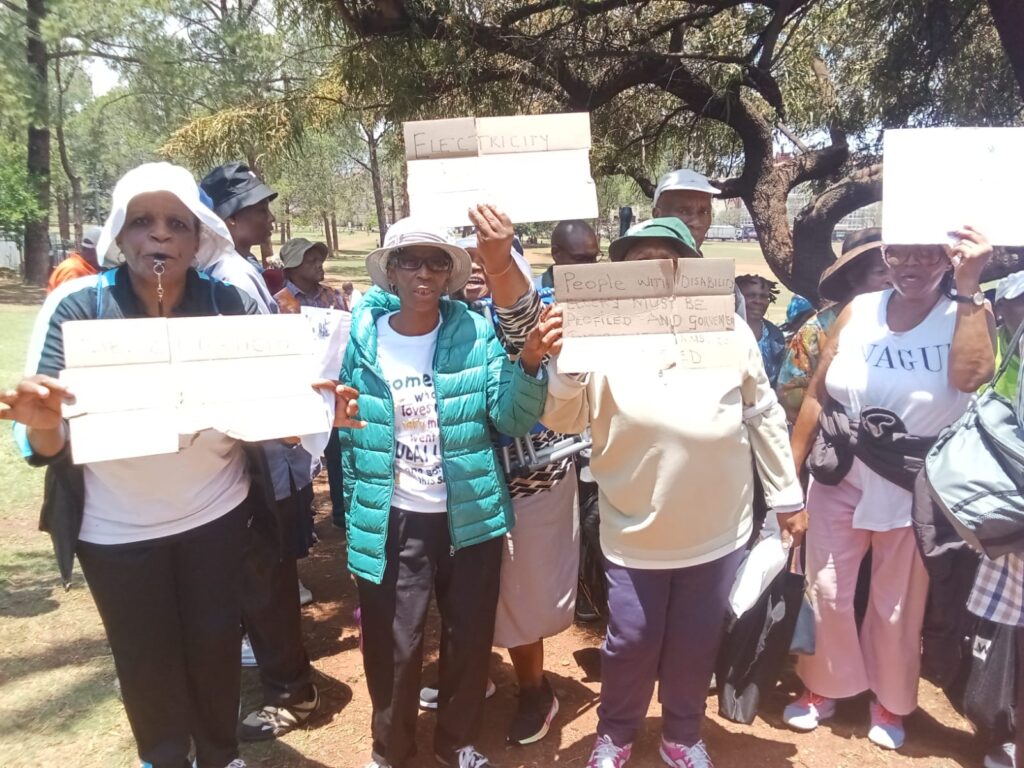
[[975, 470]]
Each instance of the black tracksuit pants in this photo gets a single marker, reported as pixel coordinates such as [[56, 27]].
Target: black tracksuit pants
[[465, 582], [171, 609]]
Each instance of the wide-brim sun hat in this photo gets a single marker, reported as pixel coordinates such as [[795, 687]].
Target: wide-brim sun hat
[[410, 232], [666, 227], [214, 238], [1010, 287], [834, 284], [294, 251]]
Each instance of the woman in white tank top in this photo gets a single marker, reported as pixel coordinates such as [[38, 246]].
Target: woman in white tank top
[[919, 350]]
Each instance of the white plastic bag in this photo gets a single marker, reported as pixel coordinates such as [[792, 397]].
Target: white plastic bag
[[765, 561]]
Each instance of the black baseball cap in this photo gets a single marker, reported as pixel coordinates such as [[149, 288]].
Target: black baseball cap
[[233, 187]]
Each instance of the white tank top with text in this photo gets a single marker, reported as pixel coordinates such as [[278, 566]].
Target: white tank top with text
[[906, 373]]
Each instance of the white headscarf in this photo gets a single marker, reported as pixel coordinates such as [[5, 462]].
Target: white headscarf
[[214, 238]]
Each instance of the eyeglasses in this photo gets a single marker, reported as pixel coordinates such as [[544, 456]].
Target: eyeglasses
[[437, 262], [926, 256]]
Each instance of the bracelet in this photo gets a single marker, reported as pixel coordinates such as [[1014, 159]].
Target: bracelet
[[511, 261]]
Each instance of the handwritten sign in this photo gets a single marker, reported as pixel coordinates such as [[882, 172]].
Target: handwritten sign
[[647, 313], [938, 179], [140, 385], [536, 167]]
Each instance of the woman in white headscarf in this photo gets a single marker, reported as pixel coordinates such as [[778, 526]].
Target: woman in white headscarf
[[159, 538]]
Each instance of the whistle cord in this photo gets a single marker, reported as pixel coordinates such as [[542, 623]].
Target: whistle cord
[[158, 270]]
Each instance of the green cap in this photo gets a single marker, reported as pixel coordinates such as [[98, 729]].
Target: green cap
[[667, 227], [294, 251]]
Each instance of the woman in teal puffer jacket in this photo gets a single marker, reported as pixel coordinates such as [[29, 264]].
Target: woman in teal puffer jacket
[[427, 504]]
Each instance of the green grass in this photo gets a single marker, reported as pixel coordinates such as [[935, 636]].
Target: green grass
[[20, 486], [56, 675]]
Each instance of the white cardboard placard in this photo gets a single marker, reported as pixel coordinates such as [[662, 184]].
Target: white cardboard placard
[[534, 167], [938, 179], [647, 314], [140, 384]]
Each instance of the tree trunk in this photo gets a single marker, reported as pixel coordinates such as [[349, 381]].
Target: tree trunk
[[65, 162], [286, 223], [1008, 16], [37, 230], [266, 247], [334, 233], [378, 189], [391, 184], [403, 188], [327, 231], [64, 217]]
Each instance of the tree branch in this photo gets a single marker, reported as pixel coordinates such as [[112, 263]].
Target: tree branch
[[12, 7], [90, 54], [813, 226]]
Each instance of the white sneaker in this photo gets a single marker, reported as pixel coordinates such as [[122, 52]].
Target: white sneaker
[[1001, 756], [607, 755], [248, 657], [808, 711], [886, 728], [464, 757], [305, 596], [236, 763]]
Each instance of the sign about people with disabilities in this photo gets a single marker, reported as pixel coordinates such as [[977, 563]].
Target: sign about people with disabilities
[[644, 314]]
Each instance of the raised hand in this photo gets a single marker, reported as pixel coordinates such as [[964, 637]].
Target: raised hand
[[969, 256], [494, 233]]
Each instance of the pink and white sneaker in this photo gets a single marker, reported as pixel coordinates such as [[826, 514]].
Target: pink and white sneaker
[[682, 756], [607, 755], [886, 728]]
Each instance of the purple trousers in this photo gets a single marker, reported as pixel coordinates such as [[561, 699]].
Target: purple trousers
[[664, 626]]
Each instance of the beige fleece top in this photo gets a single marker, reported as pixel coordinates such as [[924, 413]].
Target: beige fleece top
[[672, 455]]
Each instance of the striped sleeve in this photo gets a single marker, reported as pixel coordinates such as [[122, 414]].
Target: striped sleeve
[[516, 322]]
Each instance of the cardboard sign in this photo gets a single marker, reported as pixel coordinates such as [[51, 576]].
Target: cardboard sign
[[140, 385], [938, 179], [647, 313], [535, 168]]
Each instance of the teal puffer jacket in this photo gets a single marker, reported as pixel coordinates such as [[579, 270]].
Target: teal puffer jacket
[[474, 384]]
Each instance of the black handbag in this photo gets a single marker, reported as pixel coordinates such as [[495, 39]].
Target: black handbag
[[755, 648], [975, 471]]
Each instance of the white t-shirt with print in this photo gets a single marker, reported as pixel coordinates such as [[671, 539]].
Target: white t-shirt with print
[[407, 363]]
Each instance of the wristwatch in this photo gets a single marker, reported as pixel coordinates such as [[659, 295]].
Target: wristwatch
[[978, 299]]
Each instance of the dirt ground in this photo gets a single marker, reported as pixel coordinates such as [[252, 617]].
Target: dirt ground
[[340, 736]]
